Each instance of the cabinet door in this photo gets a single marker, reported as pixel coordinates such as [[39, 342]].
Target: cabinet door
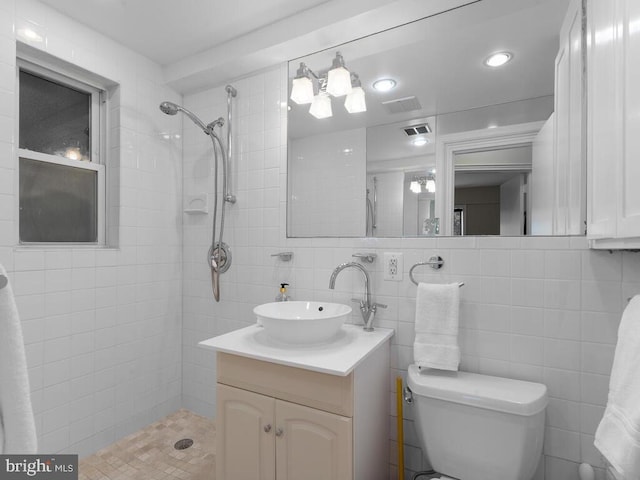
[[312, 444], [603, 119], [629, 50], [245, 447]]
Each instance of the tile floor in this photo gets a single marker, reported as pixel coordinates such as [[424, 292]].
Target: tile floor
[[149, 454]]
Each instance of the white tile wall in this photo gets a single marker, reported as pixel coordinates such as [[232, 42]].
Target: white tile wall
[[331, 166], [102, 326], [541, 309]]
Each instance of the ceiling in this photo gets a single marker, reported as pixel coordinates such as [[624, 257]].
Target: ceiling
[[205, 43], [167, 31]]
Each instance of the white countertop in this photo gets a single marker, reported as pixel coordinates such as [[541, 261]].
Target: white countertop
[[337, 357]]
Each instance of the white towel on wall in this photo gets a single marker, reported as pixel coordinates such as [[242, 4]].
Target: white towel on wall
[[618, 435], [17, 425], [436, 343]]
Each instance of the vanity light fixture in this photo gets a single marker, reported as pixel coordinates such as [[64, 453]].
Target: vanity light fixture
[[498, 59], [336, 82], [428, 182], [384, 84]]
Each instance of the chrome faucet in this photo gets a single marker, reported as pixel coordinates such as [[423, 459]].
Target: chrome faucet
[[367, 308]]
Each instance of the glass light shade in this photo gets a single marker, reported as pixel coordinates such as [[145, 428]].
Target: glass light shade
[[302, 90], [339, 82], [355, 102], [431, 186], [321, 106], [415, 187]]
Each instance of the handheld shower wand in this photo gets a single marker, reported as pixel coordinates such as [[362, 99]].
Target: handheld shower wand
[[219, 254]]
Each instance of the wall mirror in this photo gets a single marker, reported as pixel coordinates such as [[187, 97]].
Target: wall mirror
[[432, 140]]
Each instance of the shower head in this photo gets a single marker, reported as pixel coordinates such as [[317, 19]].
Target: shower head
[[171, 108]]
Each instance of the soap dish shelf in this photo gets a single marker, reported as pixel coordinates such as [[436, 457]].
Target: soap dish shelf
[[197, 204]]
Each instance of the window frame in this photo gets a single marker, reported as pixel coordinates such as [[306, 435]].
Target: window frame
[[97, 143]]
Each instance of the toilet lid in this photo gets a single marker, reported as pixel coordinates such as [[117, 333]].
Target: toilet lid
[[483, 391]]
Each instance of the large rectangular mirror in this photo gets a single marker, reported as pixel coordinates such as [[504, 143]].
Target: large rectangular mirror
[[448, 145]]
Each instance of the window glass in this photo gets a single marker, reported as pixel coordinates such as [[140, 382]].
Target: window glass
[[58, 203], [54, 118]]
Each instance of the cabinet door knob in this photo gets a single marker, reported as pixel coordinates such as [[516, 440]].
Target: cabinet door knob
[[279, 432], [267, 428]]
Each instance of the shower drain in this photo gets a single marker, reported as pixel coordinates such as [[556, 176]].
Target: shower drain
[[182, 444]]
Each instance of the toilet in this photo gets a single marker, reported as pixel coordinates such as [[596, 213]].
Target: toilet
[[478, 427]]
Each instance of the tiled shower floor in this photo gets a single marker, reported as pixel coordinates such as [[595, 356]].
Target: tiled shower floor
[[149, 453]]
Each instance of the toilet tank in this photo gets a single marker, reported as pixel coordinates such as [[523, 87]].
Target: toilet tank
[[478, 427]]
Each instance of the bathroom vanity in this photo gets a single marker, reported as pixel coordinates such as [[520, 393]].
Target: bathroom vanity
[[315, 411]]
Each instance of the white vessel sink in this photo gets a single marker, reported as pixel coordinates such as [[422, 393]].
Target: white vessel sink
[[302, 322]]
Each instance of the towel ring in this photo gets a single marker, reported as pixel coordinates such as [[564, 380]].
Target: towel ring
[[435, 262]]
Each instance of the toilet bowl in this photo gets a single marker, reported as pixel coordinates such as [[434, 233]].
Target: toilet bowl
[[478, 427]]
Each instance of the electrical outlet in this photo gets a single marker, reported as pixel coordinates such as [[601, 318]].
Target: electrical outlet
[[393, 266]]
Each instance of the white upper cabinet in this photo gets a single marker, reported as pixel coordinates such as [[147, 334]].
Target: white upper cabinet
[[613, 123]]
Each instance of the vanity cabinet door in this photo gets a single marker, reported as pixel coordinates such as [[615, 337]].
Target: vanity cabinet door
[[312, 444], [245, 447]]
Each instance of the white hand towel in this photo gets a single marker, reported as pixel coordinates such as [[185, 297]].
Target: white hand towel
[[618, 435], [17, 425], [436, 343]]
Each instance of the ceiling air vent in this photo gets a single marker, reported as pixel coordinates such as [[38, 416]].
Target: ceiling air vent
[[400, 105], [417, 129]]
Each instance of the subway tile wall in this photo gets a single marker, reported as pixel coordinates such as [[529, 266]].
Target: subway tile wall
[[542, 309], [333, 167], [102, 326]]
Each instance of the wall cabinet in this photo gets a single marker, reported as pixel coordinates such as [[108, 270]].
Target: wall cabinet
[[276, 422], [613, 123]]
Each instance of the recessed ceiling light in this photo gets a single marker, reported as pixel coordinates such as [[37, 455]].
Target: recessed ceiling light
[[420, 141], [498, 59], [384, 84]]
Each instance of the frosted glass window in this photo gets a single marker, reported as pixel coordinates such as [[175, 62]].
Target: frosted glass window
[[58, 203], [54, 118], [61, 129]]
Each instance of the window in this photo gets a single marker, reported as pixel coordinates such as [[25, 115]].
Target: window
[[61, 172]]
